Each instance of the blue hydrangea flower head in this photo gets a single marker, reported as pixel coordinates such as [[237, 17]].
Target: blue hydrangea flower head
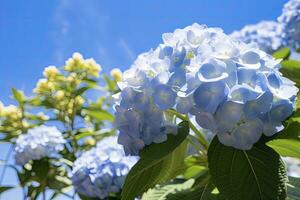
[[267, 35], [102, 170], [290, 19], [39, 142], [231, 88]]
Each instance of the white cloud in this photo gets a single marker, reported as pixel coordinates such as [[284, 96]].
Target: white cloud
[[85, 26], [127, 50], [75, 21]]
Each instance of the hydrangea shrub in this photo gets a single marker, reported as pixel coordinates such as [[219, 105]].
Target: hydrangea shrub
[[266, 34], [39, 142], [272, 35], [204, 115], [227, 87], [290, 19], [102, 170], [233, 89], [50, 128]]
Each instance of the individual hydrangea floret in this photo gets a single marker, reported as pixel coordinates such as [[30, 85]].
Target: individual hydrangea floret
[[39, 142], [266, 34], [231, 88], [102, 170], [290, 20]]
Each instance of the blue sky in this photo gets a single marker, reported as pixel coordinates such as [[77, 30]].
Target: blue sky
[[35, 33]]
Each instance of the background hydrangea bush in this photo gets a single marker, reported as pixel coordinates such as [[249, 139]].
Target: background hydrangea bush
[[39, 142], [102, 170], [204, 115], [271, 35]]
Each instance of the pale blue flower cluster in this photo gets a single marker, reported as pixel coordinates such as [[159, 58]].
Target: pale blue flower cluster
[[290, 20], [233, 89], [39, 142], [269, 36], [266, 34], [101, 170]]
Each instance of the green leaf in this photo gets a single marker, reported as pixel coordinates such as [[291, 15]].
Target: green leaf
[[90, 82], [196, 160], [294, 188], [83, 135], [286, 147], [282, 53], [195, 166], [18, 95], [5, 188], [111, 84], [81, 90], [162, 191], [41, 169], [59, 182], [100, 114], [292, 131], [257, 174], [158, 163], [291, 70], [199, 193], [194, 171]]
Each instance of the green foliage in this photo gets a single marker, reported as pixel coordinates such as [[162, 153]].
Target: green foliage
[[286, 147], [294, 188], [100, 115], [255, 174], [291, 70], [196, 166], [161, 192], [282, 53], [292, 131], [207, 192], [18, 96], [5, 188], [63, 93], [158, 163]]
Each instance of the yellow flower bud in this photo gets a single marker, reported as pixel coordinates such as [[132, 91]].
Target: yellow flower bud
[[50, 72], [15, 125], [77, 56], [43, 85], [59, 95], [90, 141], [79, 100], [92, 67], [42, 116], [69, 65], [74, 63], [116, 74], [11, 112], [72, 77], [25, 124]]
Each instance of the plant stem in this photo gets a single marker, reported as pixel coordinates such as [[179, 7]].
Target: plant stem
[[44, 194], [5, 164], [193, 143], [200, 138]]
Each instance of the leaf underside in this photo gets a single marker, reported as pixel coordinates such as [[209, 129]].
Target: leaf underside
[[256, 174]]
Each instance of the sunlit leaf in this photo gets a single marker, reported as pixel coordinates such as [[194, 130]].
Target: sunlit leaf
[[286, 147], [158, 163]]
